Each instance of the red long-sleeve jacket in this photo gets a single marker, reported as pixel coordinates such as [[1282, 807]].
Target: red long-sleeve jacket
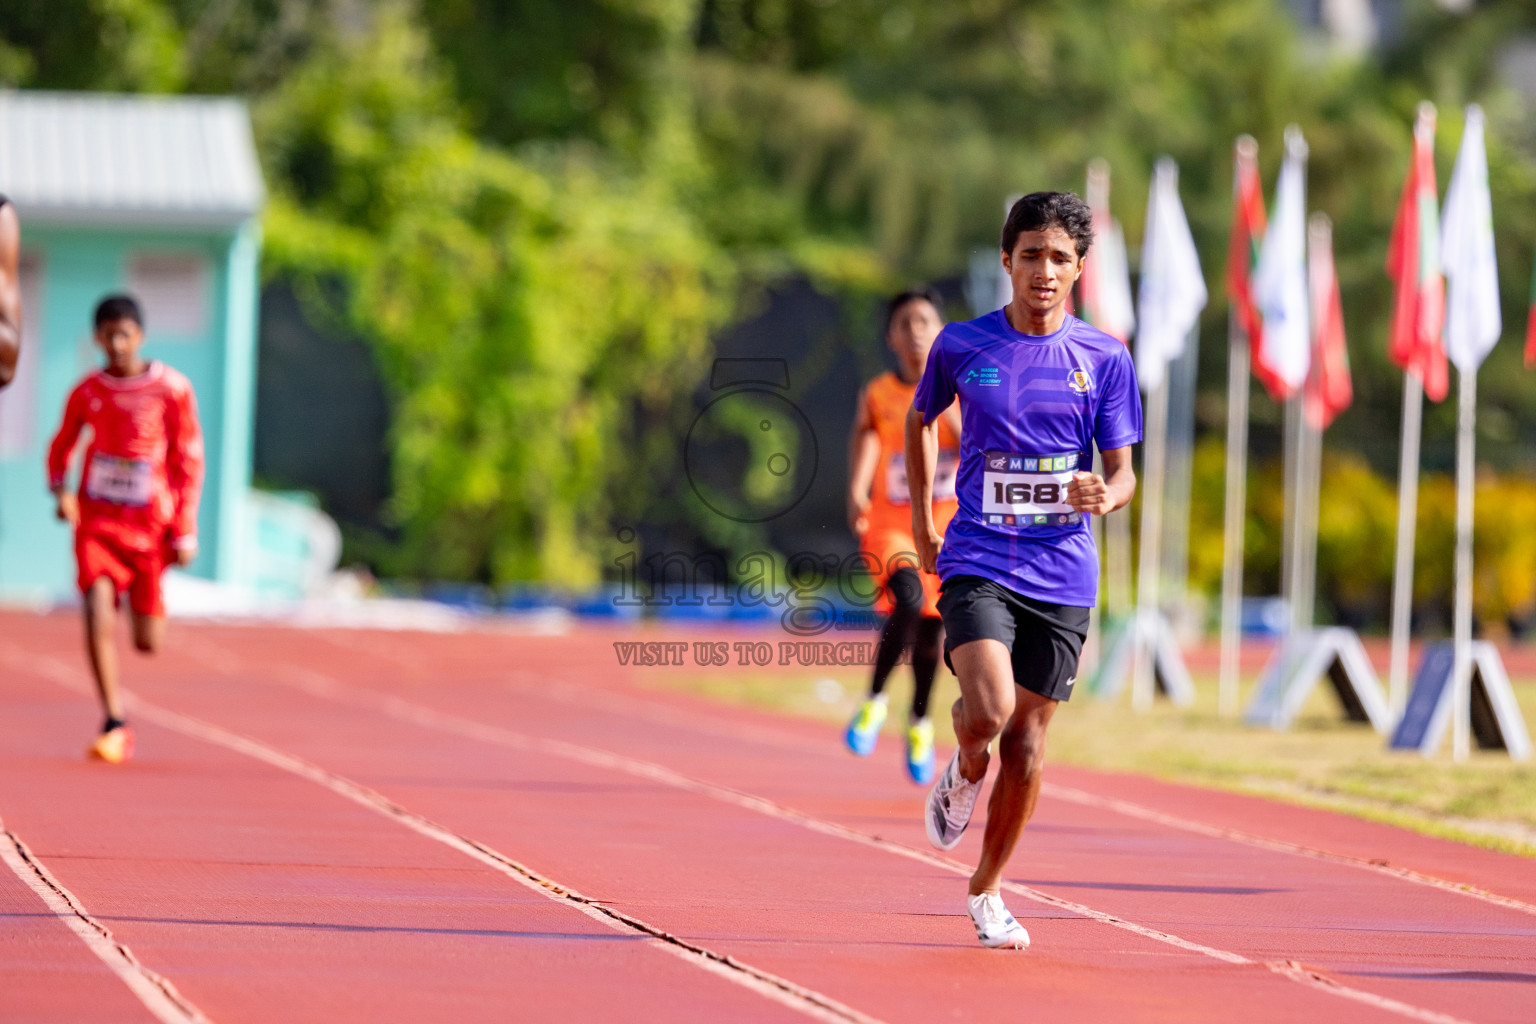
[[144, 466]]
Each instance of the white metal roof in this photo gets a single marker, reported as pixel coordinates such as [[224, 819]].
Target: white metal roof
[[98, 158]]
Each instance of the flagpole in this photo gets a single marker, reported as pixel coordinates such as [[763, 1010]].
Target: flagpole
[[1461, 674], [1117, 555], [1182, 380], [1115, 532], [1407, 518], [1094, 639], [1145, 625], [1320, 250], [1290, 450], [1308, 496], [1232, 541]]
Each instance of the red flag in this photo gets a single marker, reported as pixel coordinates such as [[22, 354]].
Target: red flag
[[1328, 390], [1413, 263], [1106, 281], [1530, 329], [1248, 222]]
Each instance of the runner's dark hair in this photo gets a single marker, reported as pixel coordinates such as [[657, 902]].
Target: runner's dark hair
[[1040, 210], [926, 292], [119, 307]]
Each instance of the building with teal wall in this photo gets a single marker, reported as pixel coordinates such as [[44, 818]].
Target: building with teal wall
[[158, 197]]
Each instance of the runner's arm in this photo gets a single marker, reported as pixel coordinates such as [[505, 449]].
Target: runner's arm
[[59, 452], [951, 416], [922, 462], [10, 293], [863, 463], [184, 471], [1101, 495]]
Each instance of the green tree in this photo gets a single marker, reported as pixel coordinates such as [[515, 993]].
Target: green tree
[[530, 320]]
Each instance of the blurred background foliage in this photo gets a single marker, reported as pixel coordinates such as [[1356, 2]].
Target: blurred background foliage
[[540, 213]]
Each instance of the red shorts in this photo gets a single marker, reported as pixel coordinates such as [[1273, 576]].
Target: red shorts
[[137, 572]]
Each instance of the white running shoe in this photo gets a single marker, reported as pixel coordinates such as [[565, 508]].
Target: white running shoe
[[995, 926], [950, 802]]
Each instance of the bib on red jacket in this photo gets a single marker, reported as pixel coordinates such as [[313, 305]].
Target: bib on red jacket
[[143, 472]]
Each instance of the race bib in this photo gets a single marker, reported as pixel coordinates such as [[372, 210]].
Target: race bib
[[119, 481], [898, 493], [1028, 490]]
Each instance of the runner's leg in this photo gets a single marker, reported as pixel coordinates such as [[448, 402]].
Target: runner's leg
[[985, 671], [926, 648], [148, 632], [100, 624], [1017, 789], [896, 637]]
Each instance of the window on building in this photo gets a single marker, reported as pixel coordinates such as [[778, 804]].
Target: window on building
[[173, 290]]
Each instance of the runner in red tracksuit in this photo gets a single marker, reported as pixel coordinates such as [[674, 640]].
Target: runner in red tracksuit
[[136, 511]]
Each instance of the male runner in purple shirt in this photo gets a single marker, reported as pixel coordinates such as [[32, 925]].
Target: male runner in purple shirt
[[1038, 389]]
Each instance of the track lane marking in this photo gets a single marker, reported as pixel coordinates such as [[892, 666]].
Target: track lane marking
[[703, 722], [157, 994], [326, 687], [571, 693], [764, 983], [1132, 810]]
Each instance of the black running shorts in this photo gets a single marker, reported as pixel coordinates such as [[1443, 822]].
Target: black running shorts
[[1045, 639]]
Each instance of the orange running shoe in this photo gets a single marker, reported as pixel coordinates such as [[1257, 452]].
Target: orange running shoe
[[114, 746]]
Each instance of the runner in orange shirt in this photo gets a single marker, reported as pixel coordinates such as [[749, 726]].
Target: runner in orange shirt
[[136, 511], [880, 515]]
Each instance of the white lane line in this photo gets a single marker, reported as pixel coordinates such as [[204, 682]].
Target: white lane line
[[662, 714], [1131, 810], [567, 692], [780, 990], [1307, 976], [157, 994], [328, 688], [770, 986]]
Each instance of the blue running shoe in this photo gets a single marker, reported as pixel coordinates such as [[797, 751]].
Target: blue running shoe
[[920, 751], [864, 730]]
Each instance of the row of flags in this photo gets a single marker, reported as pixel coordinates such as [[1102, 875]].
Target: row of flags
[[1281, 278], [1446, 273]]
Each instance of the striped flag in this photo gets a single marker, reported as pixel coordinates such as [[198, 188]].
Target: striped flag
[[1413, 263], [1243, 254], [1329, 390], [1280, 278], [1106, 280]]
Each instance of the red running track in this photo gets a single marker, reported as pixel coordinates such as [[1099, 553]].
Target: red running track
[[346, 825]]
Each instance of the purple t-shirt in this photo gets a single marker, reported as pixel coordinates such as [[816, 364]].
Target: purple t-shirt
[[1032, 407]]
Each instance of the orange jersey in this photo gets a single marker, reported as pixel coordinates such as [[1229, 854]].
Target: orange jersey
[[887, 400], [144, 466]]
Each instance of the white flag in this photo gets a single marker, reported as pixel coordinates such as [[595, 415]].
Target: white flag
[[1280, 279], [1172, 284], [1117, 312], [1472, 318], [1106, 282]]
